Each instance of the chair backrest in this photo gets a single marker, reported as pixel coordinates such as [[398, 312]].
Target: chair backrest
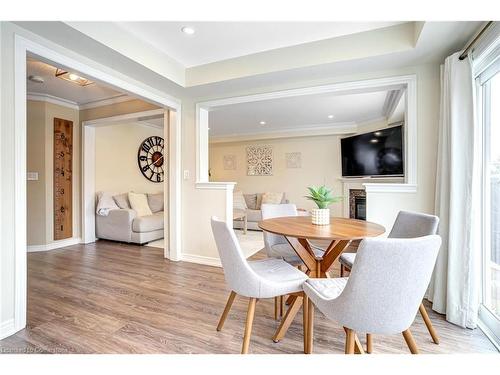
[[413, 224], [386, 284], [270, 211], [238, 274]]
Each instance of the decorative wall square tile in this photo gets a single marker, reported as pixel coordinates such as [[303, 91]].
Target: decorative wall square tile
[[259, 161], [229, 162], [293, 159]]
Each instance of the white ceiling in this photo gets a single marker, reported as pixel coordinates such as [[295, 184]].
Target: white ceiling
[[63, 89], [216, 41], [245, 54], [302, 112]]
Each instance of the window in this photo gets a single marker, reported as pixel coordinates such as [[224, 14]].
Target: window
[[489, 100]]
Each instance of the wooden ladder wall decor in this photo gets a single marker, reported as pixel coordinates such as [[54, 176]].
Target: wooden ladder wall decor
[[63, 181]]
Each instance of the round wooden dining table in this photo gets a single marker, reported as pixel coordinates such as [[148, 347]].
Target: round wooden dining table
[[298, 230]]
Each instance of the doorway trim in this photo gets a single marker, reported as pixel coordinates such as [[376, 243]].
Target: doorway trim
[[69, 59], [88, 169], [410, 134]]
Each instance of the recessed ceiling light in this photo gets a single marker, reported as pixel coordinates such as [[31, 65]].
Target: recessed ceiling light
[[262, 123], [378, 134], [187, 30], [374, 140], [330, 116]]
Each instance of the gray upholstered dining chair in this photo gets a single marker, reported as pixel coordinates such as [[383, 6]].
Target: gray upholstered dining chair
[[407, 225], [267, 278], [276, 246], [373, 301]]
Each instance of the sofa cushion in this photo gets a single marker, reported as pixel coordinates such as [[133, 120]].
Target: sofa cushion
[[139, 203], [254, 215], [148, 223], [155, 202], [272, 198], [239, 202], [251, 201], [121, 200]]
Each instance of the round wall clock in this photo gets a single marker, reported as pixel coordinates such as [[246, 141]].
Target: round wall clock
[[151, 158]]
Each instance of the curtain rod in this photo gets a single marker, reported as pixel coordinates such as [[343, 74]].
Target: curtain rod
[[471, 44]]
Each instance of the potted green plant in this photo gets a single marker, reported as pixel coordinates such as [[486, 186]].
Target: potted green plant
[[323, 198]]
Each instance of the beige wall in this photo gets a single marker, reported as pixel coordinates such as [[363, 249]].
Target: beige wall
[[320, 166], [36, 190], [40, 194], [116, 167]]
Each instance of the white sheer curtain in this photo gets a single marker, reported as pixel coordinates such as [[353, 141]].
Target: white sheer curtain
[[455, 287]]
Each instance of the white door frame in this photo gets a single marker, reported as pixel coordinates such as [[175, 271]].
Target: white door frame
[[89, 68], [88, 169]]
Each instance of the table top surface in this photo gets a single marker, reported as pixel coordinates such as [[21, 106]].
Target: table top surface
[[338, 229]]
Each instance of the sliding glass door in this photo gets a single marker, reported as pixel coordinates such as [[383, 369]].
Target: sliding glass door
[[489, 99]]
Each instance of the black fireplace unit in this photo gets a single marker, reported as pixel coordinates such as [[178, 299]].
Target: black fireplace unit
[[357, 204]]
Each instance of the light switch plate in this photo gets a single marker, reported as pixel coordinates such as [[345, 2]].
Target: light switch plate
[[32, 176], [186, 174]]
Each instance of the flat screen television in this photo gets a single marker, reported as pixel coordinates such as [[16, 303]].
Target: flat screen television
[[379, 153]]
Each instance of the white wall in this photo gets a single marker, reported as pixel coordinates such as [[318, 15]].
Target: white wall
[[116, 167], [320, 166]]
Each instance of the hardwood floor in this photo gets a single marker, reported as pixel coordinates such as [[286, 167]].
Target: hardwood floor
[[118, 298]]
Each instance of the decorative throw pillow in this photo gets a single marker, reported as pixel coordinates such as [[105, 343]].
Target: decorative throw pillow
[[121, 200], [139, 203], [155, 202], [272, 198], [251, 201], [259, 201], [239, 201], [105, 203]]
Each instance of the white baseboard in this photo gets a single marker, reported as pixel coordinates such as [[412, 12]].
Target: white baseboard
[[200, 259], [54, 245], [7, 328]]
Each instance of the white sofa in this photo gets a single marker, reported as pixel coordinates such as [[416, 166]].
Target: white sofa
[[253, 212], [122, 223]]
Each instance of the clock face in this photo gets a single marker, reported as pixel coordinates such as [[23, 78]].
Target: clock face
[[151, 158]]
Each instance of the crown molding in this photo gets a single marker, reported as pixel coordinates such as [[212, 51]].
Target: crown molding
[[100, 103], [40, 97], [303, 131]]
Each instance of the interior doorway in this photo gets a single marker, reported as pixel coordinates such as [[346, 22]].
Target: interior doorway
[[82, 67]]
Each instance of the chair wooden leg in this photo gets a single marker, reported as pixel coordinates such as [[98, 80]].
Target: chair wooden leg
[[310, 326], [358, 348], [428, 323], [341, 270], [305, 316], [349, 341], [226, 310], [282, 307], [276, 301], [369, 343], [248, 325], [410, 342]]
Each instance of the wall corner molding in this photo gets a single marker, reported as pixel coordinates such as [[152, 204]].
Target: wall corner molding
[[41, 97]]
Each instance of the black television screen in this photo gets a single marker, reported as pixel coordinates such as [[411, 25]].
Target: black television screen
[[378, 153]]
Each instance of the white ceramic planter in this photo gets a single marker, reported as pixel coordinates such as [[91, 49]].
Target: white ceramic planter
[[320, 216]]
